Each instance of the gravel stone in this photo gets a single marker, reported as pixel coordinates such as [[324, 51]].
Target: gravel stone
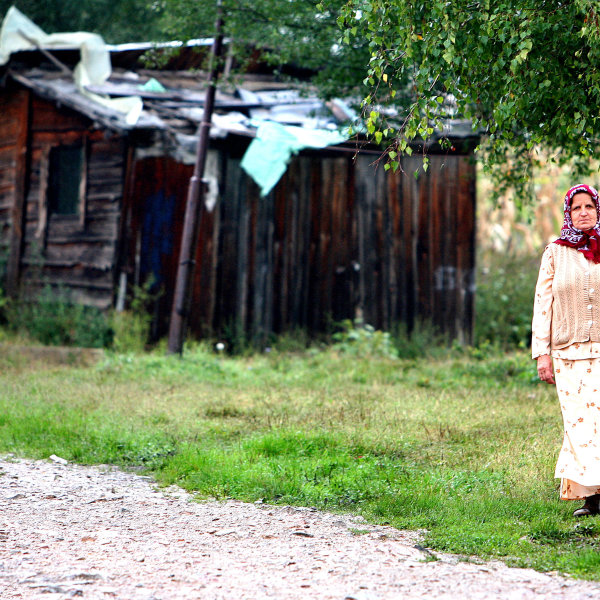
[[68, 531]]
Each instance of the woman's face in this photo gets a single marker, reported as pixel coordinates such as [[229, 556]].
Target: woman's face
[[583, 211]]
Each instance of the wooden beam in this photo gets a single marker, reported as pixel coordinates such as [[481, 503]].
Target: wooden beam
[[83, 184], [57, 63], [22, 156], [42, 225], [194, 202]]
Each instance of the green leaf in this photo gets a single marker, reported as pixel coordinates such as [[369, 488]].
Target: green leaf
[[527, 75]]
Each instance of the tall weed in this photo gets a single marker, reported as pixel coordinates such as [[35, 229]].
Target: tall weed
[[131, 328], [364, 340], [422, 341]]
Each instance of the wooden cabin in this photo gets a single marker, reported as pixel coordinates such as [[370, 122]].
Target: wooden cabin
[[94, 206]]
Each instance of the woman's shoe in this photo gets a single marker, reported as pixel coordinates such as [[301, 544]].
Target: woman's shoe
[[590, 507]]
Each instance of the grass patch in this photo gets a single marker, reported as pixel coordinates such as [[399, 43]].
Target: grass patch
[[463, 447]]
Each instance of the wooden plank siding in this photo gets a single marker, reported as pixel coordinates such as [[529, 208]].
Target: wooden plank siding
[[75, 253], [336, 239], [153, 223], [14, 118], [390, 248]]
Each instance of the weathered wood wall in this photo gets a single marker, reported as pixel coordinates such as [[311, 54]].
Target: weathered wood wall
[[336, 238], [155, 213], [14, 116], [417, 244], [74, 253]]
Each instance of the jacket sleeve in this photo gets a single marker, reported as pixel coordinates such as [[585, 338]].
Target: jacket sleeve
[[541, 326]]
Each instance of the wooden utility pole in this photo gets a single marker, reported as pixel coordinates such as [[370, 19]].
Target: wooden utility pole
[[182, 298]]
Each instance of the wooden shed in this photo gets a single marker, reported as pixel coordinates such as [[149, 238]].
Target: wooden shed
[[92, 206]]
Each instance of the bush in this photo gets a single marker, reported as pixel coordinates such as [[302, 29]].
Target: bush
[[422, 340], [364, 340], [130, 331], [57, 322], [504, 300]]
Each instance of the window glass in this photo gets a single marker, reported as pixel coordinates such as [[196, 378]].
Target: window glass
[[64, 179]]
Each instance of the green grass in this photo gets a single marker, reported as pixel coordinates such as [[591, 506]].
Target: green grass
[[462, 446]]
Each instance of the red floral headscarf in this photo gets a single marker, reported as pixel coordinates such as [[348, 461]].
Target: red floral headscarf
[[587, 242]]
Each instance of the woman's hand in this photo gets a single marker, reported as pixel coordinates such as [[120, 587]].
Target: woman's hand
[[544, 368]]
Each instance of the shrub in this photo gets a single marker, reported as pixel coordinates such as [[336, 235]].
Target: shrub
[[422, 340], [131, 327], [364, 340], [54, 321], [504, 300], [130, 331], [3, 296]]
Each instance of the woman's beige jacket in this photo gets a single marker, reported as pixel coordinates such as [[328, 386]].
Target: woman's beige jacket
[[566, 310]]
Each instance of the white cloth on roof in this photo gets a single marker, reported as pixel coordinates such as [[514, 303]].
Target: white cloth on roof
[[20, 33]]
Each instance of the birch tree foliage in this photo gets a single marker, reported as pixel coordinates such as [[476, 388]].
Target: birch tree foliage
[[116, 20], [282, 33], [526, 72]]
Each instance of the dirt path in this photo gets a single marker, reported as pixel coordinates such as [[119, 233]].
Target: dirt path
[[68, 531]]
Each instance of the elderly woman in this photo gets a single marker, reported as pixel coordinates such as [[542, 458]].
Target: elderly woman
[[566, 332]]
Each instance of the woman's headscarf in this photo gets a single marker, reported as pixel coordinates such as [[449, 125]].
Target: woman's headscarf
[[587, 242]]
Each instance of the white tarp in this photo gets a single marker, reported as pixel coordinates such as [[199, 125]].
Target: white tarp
[[20, 33]]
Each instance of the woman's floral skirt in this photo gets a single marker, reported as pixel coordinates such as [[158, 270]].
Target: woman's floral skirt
[[578, 466]]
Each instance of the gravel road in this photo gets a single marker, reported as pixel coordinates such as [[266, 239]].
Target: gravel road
[[69, 531]]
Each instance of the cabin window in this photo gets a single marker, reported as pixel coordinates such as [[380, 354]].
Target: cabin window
[[66, 180]]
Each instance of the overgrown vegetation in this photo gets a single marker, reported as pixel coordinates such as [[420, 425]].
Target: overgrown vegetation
[[54, 321], [503, 320], [49, 317], [463, 446], [119, 21], [504, 299]]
